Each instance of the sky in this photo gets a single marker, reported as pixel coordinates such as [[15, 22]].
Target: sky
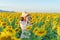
[[30, 5]]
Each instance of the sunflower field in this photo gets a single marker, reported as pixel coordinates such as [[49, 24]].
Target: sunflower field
[[45, 26]]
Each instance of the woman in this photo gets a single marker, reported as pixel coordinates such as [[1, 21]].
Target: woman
[[25, 20]]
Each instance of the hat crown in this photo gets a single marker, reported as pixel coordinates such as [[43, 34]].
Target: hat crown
[[24, 14]]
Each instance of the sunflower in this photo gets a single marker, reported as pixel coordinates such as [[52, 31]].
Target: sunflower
[[5, 38], [35, 30], [55, 16], [17, 29], [0, 23], [54, 27], [10, 20], [10, 16], [16, 23], [28, 28], [9, 31], [1, 20], [14, 38], [4, 24], [8, 38], [39, 32], [32, 22], [55, 22], [3, 34], [58, 30]]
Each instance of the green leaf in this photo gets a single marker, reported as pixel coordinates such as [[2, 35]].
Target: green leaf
[[1, 29], [18, 34], [13, 23]]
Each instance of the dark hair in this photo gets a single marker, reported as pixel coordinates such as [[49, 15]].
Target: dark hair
[[22, 18]]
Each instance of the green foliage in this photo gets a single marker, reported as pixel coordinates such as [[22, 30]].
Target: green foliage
[[1, 29]]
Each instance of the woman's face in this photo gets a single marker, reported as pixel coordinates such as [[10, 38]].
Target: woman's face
[[28, 18]]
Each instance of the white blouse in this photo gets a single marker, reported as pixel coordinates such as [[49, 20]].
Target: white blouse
[[23, 24]]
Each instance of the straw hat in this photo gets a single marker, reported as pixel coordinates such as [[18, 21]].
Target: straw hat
[[24, 14]]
